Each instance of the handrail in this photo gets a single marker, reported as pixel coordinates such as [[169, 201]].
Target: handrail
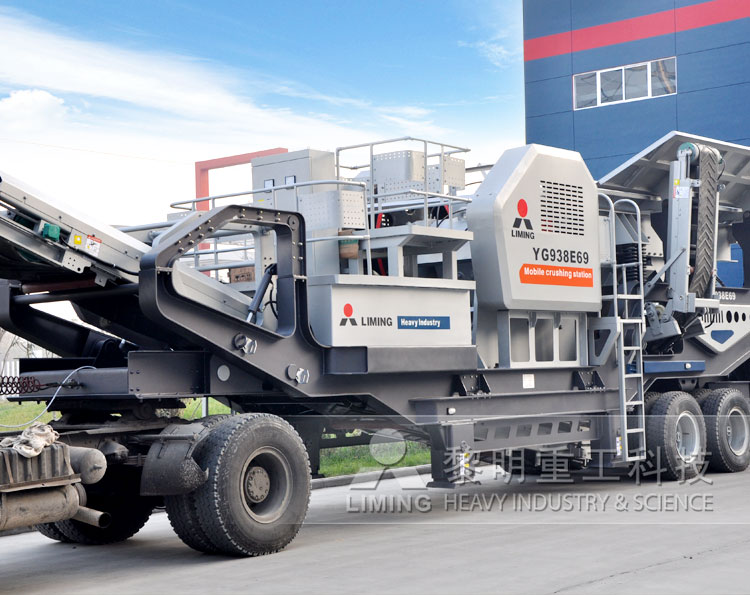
[[273, 189], [426, 157], [192, 252], [401, 139], [466, 199], [637, 212], [453, 152], [331, 238], [371, 200]]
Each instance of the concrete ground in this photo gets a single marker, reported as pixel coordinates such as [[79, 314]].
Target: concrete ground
[[522, 537]]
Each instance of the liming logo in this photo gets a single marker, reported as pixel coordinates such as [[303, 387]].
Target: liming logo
[[348, 313], [517, 232]]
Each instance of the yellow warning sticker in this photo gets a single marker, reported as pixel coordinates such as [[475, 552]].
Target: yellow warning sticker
[[78, 240]]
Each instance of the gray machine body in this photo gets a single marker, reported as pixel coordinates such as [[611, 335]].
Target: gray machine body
[[517, 346], [535, 220]]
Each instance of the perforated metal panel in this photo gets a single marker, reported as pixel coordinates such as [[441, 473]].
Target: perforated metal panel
[[561, 208], [398, 167], [454, 174], [333, 210], [403, 171]]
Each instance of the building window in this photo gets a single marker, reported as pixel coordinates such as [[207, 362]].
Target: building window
[[663, 77], [636, 82], [625, 83], [610, 86]]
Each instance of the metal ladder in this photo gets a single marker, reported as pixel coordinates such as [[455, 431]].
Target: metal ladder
[[628, 312]]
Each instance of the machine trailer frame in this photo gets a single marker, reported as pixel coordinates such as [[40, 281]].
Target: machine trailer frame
[[510, 354]]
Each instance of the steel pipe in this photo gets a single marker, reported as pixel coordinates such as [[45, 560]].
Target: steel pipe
[[46, 298], [92, 517]]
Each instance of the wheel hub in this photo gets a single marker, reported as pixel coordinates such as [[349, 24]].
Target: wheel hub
[[687, 437], [257, 484], [266, 484], [738, 432]]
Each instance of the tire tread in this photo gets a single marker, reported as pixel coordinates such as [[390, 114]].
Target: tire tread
[[712, 406], [208, 498], [657, 427], [182, 511]]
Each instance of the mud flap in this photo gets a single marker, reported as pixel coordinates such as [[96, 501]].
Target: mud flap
[[170, 469]]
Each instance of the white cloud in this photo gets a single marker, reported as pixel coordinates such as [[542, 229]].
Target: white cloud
[[117, 130], [176, 86], [406, 111], [503, 21], [498, 53], [31, 108], [420, 128]]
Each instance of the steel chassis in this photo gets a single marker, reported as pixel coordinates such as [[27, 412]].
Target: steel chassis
[[438, 395]]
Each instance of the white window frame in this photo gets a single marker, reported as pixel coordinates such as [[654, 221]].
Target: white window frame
[[649, 95]]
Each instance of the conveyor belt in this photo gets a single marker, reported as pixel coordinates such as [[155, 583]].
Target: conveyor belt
[[705, 249], [43, 239]]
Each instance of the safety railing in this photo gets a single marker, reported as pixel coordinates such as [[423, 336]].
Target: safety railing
[[192, 205], [374, 199], [374, 203]]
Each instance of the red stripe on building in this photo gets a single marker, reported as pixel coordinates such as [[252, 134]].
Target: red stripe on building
[[549, 45], [651, 25], [711, 13]]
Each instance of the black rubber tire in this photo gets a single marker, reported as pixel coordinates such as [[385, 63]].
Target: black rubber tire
[[118, 493], [716, 408], [701, 394], [223, 509], [649, 401], [50, 530], [181, 510], [661, 432], [128, 517]]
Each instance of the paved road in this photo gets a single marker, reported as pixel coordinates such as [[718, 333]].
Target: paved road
[[585, 537]]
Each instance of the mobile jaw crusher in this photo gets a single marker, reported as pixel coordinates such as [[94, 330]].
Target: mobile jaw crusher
[[544, 311]]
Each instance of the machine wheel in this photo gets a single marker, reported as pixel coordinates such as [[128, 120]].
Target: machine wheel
[[182, 512], [700, 395], [676, 435], [727, 415], [50, 530], [649, 401], [128, 517], [258, 487]]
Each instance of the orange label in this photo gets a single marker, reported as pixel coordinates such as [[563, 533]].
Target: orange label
[[544, 274]]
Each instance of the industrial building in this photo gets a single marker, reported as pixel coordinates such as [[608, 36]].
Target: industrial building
[[608, 78]]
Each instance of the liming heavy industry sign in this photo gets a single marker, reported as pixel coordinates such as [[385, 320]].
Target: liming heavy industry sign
[[403, 322]]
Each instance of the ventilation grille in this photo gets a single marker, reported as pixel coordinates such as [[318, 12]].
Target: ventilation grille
[[561, 208]]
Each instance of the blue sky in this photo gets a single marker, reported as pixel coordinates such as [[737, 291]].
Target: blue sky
[[134, 92]]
